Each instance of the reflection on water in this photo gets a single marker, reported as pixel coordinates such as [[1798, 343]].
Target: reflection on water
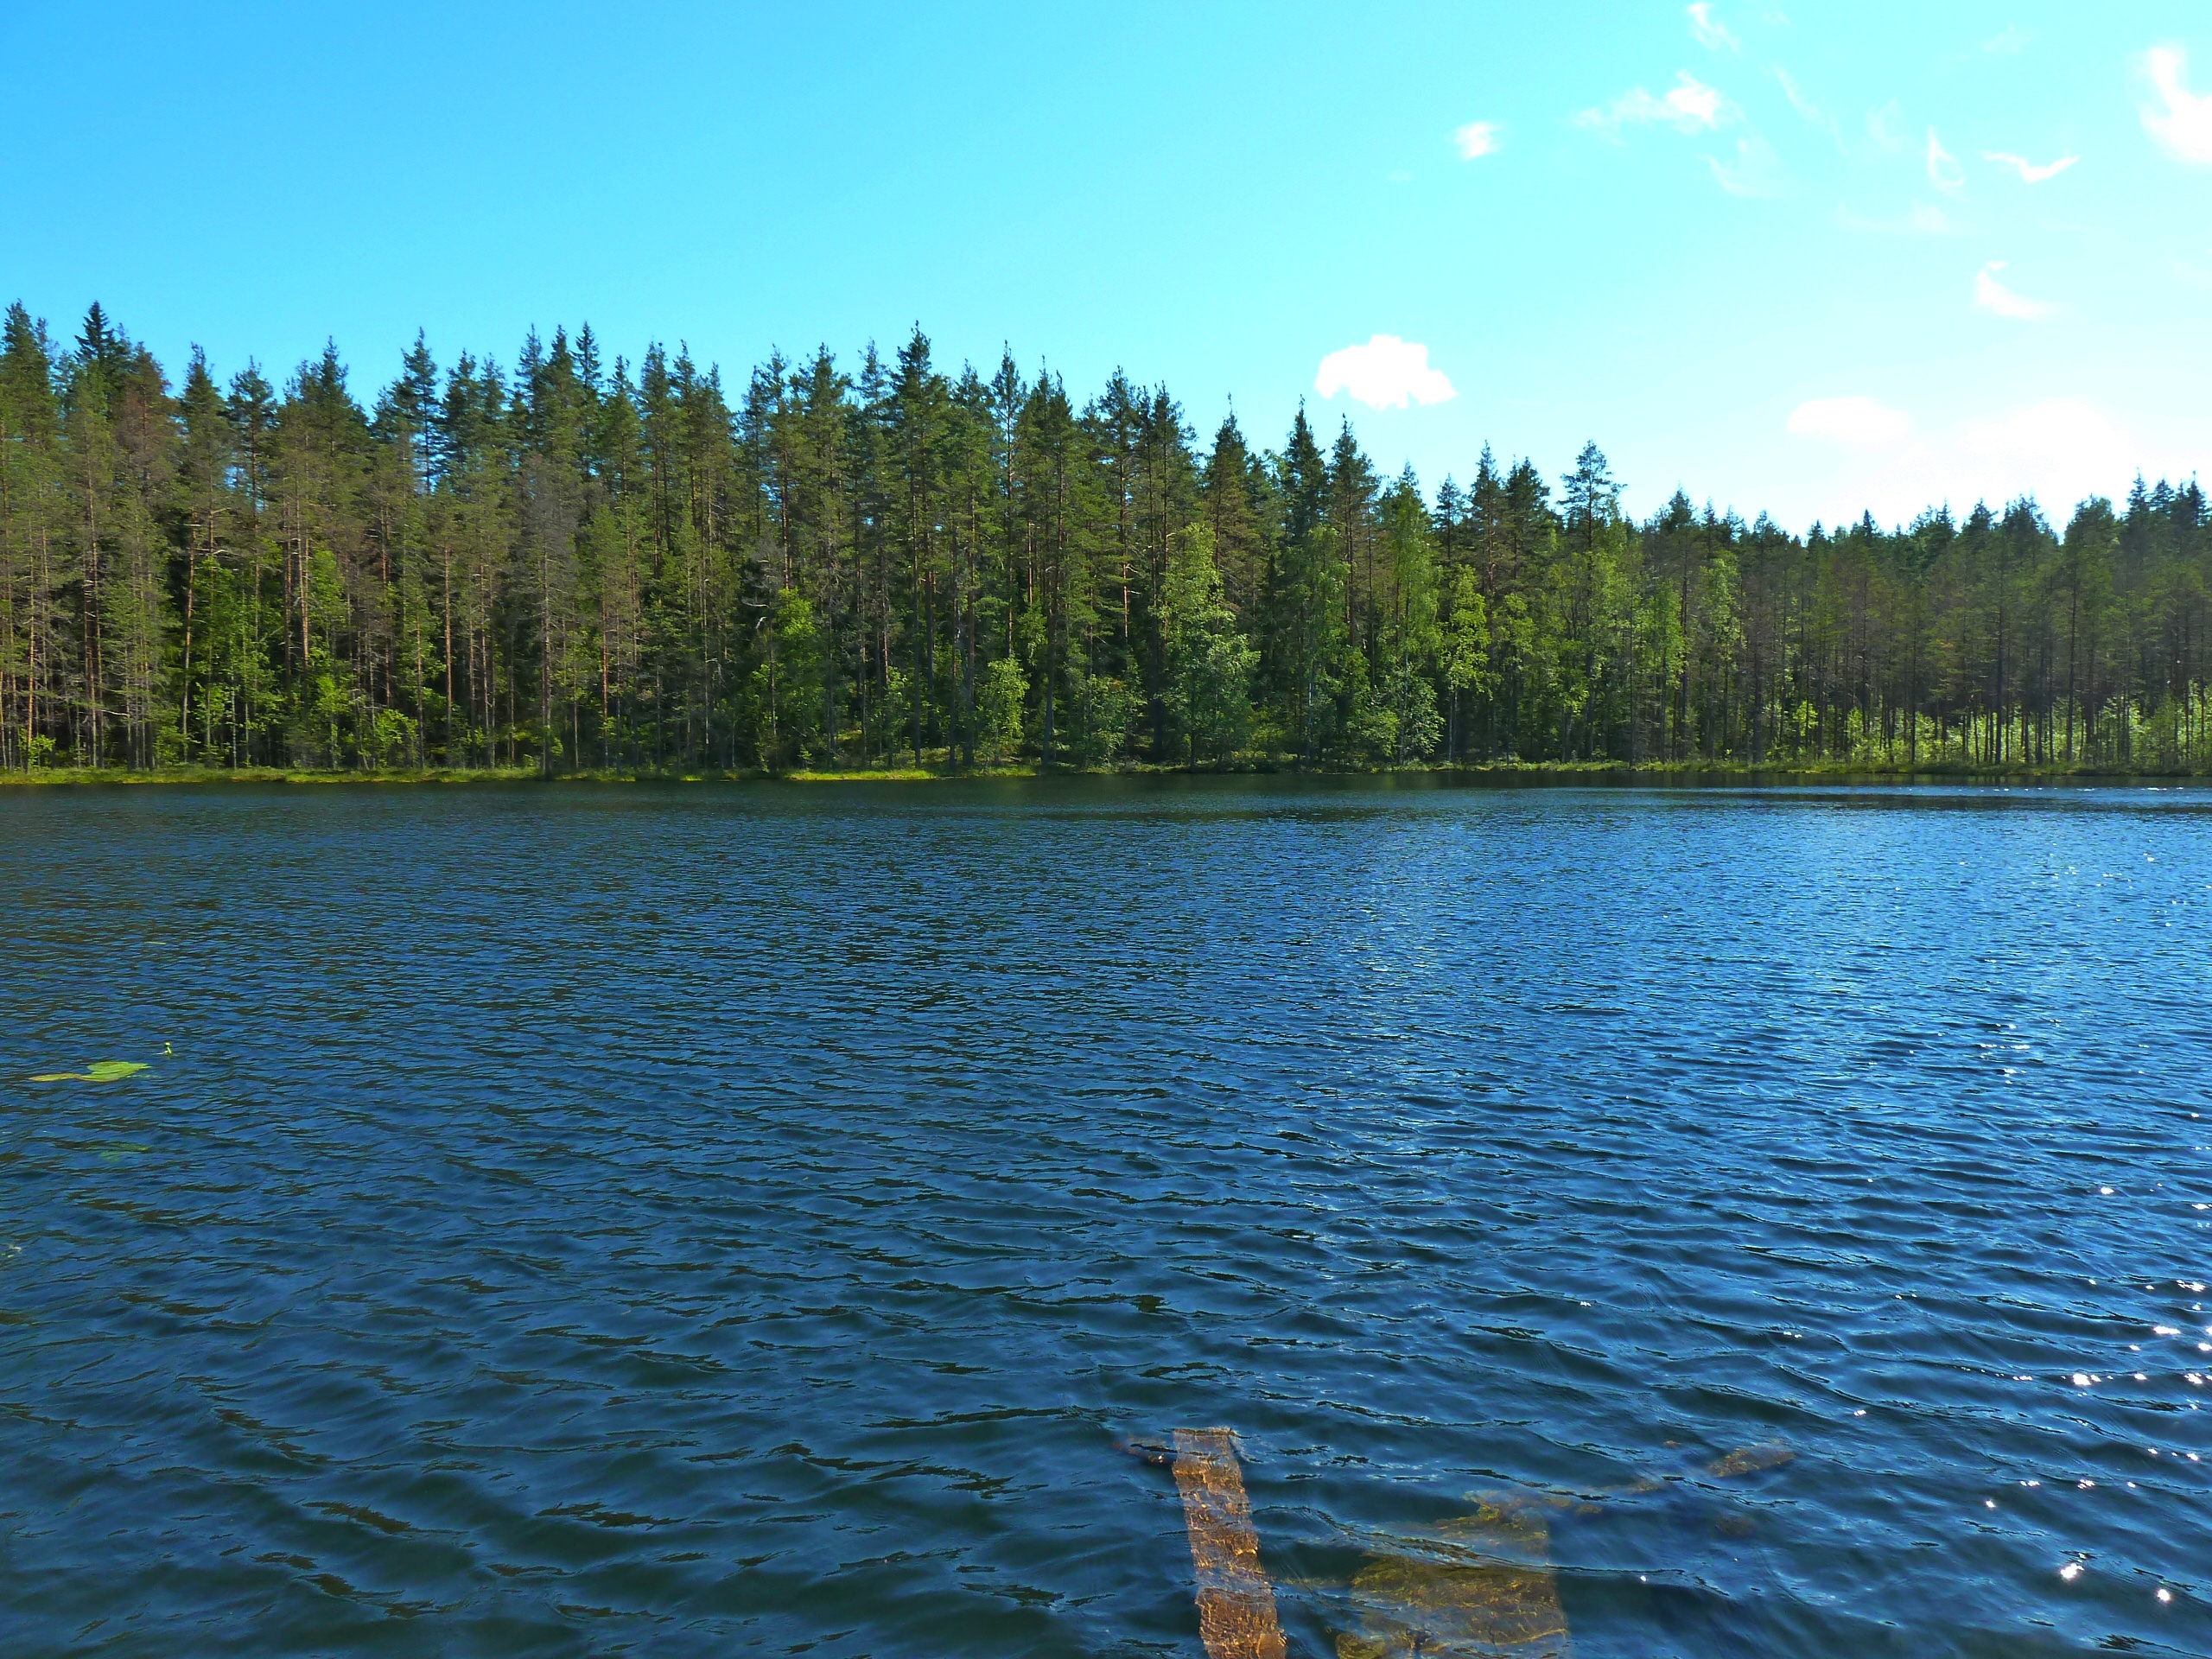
[[683, 1222]]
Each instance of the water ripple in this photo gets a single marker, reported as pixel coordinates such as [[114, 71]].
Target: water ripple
[[680, 1220]]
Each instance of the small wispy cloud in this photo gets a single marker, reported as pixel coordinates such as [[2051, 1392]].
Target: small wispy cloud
[[1796, 94], [2029, 171], [1755, 170], [2184, 126], [1993, 296], [1689, 106], [1921, 219], [1943, 170], [2008, 42], [1709, 30], [1856, 423], [1385, 373], [1476, 140], [1885, 126]]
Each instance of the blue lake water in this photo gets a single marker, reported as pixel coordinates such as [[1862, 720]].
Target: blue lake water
[[685, 1222]]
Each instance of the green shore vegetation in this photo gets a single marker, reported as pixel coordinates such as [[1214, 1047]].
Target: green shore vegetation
[[940, 768], [599, 570]]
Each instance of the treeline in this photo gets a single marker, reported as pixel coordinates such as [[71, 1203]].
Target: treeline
[[578, 565]]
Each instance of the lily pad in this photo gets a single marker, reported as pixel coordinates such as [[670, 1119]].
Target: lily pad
[[97, 1072]]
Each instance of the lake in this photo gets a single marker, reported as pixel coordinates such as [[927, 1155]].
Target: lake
[[686, 1221]]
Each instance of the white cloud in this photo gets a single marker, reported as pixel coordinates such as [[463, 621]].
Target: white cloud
[[2008, 43], [1709, 32], [1943, 170], [1993, 296], [1756, 170], [1476, 139], [2184, 126], [1856, 423], [1385, 373], [1883, 126], [2029, 171], [1796, 94], [1689, 106]]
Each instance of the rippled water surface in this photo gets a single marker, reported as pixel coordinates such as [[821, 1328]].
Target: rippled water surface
[[685, 1222]]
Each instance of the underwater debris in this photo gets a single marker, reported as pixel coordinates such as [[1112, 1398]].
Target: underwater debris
[[1750, 1459], [1480, 1585], [1151, 1452], [1236, 1605]]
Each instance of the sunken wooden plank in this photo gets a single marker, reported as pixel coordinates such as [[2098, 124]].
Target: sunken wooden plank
[[1236, 1605]]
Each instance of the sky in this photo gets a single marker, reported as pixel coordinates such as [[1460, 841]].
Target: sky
[[1809, 260]]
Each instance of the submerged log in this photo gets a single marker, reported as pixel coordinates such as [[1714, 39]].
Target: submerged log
[[1236, 1605]]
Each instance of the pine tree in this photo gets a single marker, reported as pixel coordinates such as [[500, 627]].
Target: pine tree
[[580, 564]]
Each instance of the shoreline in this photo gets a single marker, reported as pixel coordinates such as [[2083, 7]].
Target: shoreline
[[1521, 772]]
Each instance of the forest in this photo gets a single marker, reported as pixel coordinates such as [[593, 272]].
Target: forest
[[580, 566]]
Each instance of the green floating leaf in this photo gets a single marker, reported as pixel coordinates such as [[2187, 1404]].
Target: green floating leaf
[[97, 1072]]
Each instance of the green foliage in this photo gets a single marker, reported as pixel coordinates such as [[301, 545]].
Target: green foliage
[[632, 568], [1408, 639], [999, 708], [787, 703], [1208, 660], [1098, 708], [1468, 666]]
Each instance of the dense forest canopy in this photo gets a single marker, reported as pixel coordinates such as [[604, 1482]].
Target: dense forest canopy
[[580, 565]]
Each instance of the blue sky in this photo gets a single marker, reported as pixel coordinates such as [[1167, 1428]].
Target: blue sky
[[1772, 253]]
